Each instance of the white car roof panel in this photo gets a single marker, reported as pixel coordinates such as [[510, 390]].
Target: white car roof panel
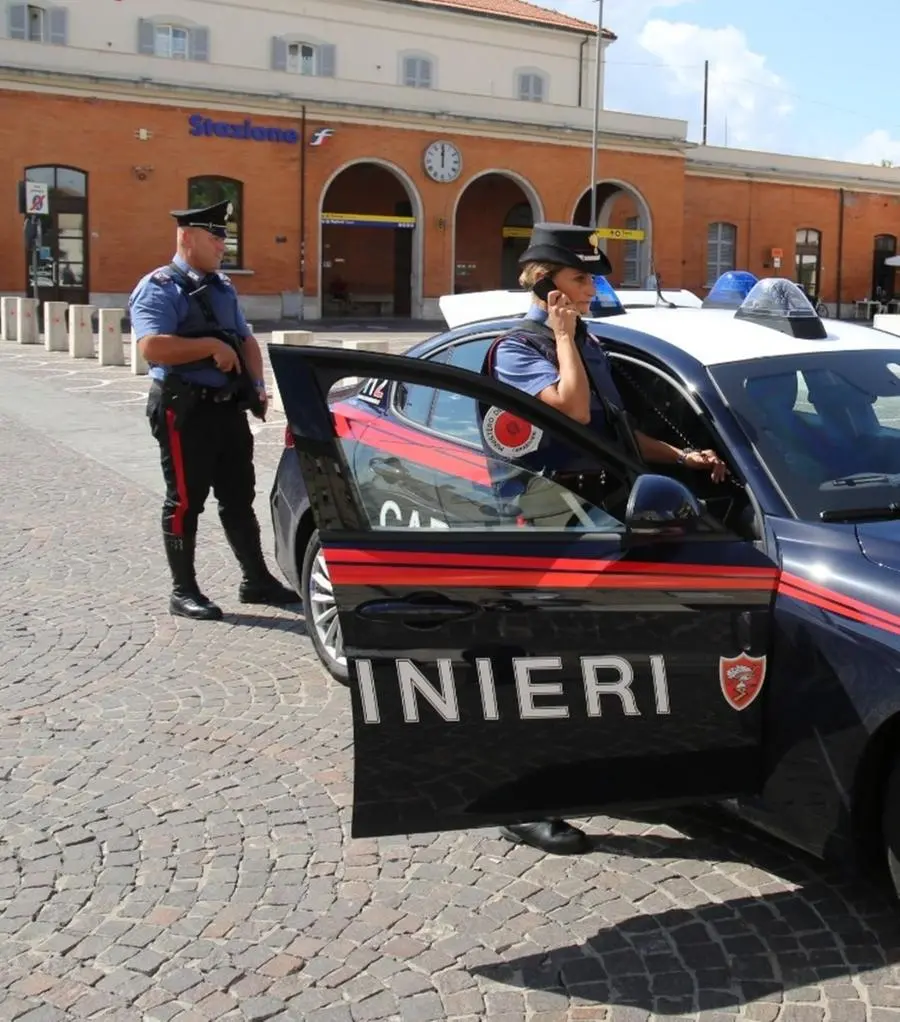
[[715, 337]]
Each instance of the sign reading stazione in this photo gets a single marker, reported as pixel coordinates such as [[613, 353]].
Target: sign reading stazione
[[246, 129]]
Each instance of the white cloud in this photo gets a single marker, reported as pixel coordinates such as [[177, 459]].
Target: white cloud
[[875, 147], [742, 88], [656, 68]]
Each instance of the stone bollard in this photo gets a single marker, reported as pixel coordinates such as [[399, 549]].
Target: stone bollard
[[139, 365], [363, 344], [27, 319], [109, 344], [293, 339], [56, 336], [81, 331], [8, 310]]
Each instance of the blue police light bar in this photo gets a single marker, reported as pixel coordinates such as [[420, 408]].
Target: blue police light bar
[[605, 301], [730, 290], [778, 303]]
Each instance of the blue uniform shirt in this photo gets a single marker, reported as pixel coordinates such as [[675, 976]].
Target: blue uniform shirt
[[520, 366], [159, 306]]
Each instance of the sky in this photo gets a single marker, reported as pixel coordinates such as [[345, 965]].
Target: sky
[[784, 76]]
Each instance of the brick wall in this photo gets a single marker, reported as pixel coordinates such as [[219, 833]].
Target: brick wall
[[131, 231]]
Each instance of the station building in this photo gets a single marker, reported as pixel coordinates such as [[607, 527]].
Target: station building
[[381, 153]]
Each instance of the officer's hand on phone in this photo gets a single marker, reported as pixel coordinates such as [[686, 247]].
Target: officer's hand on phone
[[226, 358], [562, 316]]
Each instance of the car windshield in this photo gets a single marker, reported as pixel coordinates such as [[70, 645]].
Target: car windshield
[[827, 426]]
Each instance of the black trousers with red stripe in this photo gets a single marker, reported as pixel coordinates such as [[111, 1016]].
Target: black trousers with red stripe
[[211, 450]]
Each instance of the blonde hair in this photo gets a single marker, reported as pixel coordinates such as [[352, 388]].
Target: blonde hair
[[532, 273]]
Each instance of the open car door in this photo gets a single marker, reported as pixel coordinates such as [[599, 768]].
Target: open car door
[[535, 652]]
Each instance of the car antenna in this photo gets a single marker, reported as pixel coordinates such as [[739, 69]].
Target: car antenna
[[659, 295]]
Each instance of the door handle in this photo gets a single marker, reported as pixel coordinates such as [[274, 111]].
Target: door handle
[[418, 613], [390, 470]]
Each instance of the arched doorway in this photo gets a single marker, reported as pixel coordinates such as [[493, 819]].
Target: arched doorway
[[62, 258], [493, 219], [370, 244], [624, 215]]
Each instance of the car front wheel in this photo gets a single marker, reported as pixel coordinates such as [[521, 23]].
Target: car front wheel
[[320, 611]]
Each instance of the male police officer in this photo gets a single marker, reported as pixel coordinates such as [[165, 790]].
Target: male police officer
[[195, 413], [552, 356]]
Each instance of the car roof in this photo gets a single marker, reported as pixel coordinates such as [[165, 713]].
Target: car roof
[[715, 336], [707, 336], [478, 306]]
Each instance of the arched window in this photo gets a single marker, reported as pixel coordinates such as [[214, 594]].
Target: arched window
[[206, 191], [808, 260], [721, 244], [417, 70], [531, 85]]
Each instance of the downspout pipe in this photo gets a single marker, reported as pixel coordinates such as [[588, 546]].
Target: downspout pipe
[[840, 253], [584, 43]]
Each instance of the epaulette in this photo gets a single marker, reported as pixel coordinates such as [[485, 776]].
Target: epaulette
[[161, 276], [224, 278]]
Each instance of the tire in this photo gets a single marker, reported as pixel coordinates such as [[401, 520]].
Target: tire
[[318, 603]]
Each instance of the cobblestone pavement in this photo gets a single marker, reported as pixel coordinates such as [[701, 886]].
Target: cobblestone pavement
[[174, 809]]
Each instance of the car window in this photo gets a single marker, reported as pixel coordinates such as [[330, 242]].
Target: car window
[[518, 475], [659, 408], [454, 414], [826, 425], [413, 401]]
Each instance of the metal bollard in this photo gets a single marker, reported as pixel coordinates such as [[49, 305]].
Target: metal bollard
[[293, 339], [55, 334], [81, 331], [27, 317], [139, 365], [8, 311], [109, 344]]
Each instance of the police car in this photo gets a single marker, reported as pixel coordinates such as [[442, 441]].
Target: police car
[[689, 641]]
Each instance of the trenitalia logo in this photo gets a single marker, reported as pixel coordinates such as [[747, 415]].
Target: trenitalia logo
[[205, 126]]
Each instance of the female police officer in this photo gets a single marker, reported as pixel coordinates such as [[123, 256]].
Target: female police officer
[[550, 357]]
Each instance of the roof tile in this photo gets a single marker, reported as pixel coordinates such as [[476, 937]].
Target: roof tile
[[518, 10]]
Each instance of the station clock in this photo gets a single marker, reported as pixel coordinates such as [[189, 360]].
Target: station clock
[[443, 162]]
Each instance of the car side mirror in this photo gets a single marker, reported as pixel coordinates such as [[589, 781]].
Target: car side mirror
[[658, 504]]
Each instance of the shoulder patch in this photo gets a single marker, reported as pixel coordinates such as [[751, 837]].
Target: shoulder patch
[[224, 278], [161, 277]]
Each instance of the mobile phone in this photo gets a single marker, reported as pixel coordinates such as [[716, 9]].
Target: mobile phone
[[543, 288]]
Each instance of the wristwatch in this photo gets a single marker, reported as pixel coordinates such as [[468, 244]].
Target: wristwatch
[[682, 458], [260, 384]]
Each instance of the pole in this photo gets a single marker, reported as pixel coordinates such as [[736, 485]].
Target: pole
[[35, 255], [303, 212], [705, 97], [597, 80]]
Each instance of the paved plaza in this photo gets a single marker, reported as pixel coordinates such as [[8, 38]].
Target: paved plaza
[[174, 806]]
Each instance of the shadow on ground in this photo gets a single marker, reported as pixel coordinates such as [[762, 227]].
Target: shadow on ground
[[721, 955]]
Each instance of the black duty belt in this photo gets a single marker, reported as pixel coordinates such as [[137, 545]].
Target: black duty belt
[[200, 392]]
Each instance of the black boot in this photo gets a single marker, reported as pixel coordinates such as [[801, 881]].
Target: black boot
[[554, 836], [186, 599], [259, 585]]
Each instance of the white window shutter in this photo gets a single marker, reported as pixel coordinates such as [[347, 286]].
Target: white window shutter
[[325, 60], [59, 25], [18, 21], [146, 37], [198, 44], [279, 54]]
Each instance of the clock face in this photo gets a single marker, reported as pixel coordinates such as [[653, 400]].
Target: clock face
[[443, 161]]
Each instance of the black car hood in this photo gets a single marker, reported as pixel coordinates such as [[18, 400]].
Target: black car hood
[[880, 543]]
